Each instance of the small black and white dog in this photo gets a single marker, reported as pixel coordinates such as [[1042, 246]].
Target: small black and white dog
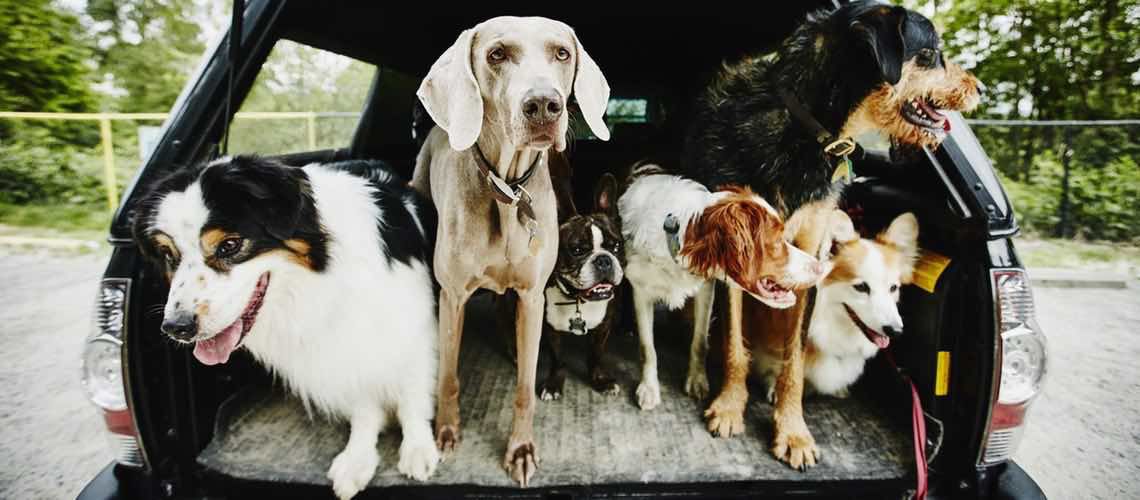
[[322, 274], [580, 297]]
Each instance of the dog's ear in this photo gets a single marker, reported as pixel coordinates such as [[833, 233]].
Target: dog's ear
[[591, 91], [902, 234], [605, 195], [450, 93], [882, 29], [842, 231], [273, 195]]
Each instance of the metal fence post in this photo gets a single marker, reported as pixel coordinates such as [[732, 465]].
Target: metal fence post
[[109, 163], [311, 121]]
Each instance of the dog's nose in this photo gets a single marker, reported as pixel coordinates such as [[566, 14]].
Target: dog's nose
[[604, 263], [541, 106], [893, 331], [180, 326]]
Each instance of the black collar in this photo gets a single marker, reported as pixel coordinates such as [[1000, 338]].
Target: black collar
[[486, 167], [834, 146]]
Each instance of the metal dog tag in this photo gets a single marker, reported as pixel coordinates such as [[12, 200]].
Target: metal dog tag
[[672, 226], [502, 191]]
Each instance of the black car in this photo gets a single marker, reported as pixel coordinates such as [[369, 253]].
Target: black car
[[972, 348]]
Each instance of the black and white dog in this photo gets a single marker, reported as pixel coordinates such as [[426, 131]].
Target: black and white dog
[[580, 298], [321, 273]]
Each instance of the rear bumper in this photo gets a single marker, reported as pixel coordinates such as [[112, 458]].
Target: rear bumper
[[105, 486], [1013, 483]]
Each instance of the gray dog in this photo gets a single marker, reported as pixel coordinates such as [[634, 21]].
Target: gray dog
[[498, 97]]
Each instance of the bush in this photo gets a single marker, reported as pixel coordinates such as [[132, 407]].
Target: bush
[[44, 174]]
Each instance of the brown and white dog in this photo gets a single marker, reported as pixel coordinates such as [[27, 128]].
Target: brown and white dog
[[680, 239], [498, 97], [856, 310]]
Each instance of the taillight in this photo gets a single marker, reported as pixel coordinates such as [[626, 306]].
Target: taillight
[[102, 371], [1022, 355]]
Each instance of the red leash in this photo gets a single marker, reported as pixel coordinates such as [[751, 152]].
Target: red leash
[[918, 428]]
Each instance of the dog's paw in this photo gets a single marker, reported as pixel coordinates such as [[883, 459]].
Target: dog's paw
[[446, 437], [697, 385], [418, 460], [725, 419], [351, 471], [797, 449], [605, 384], [521, 462], [648, 394], [548, 394]]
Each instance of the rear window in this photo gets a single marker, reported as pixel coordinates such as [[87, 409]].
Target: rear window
[[304, 99]]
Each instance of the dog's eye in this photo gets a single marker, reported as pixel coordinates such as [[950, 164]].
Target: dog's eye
[[615, 247], [894, 288], [228, 247], [579, 251], [168, 256], [496, 56], [928, 57], [562, 54], [862, 288]]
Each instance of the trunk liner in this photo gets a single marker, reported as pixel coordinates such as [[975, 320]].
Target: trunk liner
[[583, 439]]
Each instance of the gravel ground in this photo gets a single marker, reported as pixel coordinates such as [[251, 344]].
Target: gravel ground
[[1083, 438], [51, 438]]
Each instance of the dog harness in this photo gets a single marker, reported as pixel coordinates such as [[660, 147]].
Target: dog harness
[[839, 148], [513, 194]]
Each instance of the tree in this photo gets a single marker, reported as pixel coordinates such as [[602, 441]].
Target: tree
[[42, 65], [145, 49]]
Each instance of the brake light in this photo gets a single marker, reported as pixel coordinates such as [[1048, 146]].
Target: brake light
[[102, 370], [1022, 359]]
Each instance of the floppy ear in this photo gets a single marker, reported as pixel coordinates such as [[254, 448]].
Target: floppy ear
[[592, 91], [450, 94], [882, 30], [903, 235], [273, 195], [605, 195]]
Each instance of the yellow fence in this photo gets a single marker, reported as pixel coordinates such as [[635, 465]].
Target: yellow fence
[[108, 145]]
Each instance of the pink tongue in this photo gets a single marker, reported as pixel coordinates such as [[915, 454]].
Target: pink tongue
[[217, 350], [880, 341], [946, 124]]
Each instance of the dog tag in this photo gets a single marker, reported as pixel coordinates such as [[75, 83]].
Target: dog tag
[[502, 191], [843, 171], [672, 226], [535, 242]]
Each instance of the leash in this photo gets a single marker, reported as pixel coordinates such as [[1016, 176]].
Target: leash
[[841, 149], [918, 429], [513, 194]]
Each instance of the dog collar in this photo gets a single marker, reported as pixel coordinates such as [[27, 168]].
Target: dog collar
[[672, 229], [840, 148], [512, 193]]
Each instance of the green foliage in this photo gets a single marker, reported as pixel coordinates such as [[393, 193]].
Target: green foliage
[[147, 48], [33, 171], [59, 217]]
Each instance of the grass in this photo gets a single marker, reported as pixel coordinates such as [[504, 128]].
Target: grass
[[1118, 257], [79, 222]]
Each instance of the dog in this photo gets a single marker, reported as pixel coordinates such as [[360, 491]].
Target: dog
[[322, 274], [784, 127], [498, 96], [680, 238], [581, 296], [856, 312]]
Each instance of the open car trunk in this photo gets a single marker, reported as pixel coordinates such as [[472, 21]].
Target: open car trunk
[[584, 438], [231, 429]]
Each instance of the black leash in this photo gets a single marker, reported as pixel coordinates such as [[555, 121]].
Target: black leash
[[833, 145], [234, 45]]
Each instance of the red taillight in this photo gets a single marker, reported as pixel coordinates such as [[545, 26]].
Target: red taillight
[[1021, 364], [102, 371]]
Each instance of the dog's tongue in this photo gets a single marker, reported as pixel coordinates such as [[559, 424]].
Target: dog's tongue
[[935, 114], [880, 341], [217, 350]]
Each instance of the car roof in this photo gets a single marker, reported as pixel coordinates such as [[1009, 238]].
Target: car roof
[[628, 48]]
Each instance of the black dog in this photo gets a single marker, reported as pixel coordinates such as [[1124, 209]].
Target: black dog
[[864, 67], [580, 297]]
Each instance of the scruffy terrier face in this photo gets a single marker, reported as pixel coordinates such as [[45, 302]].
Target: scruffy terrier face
[[918, 84]]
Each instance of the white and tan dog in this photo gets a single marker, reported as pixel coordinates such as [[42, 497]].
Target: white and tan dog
[[856, 311], [499, 97]]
